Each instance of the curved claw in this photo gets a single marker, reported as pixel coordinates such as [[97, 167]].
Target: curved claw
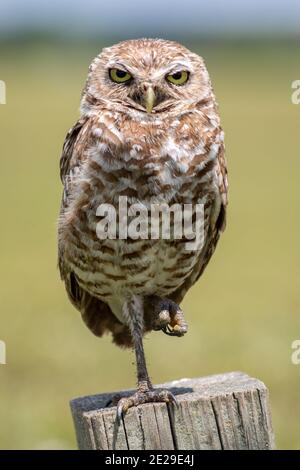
[[173, 400], [173, 331], [123, 405], [119, 416]]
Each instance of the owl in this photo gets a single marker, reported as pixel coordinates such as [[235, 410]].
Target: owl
[[149, 130]]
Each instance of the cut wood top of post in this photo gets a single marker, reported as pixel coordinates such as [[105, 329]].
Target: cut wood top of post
[[204, 387], [216, 412]]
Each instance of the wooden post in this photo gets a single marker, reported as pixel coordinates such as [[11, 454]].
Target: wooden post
[[227, 411]]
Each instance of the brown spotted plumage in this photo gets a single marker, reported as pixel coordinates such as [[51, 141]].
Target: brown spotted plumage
[[153, 141]]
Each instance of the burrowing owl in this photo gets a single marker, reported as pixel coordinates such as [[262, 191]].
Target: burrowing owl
[[149, 129]]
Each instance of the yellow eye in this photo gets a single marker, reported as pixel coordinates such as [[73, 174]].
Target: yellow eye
[[119, 76], [178, 78]]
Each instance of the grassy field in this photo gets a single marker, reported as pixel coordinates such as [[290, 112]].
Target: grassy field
[[243, 314]]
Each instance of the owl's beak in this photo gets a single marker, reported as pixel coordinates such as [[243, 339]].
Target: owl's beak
[[149, 98]]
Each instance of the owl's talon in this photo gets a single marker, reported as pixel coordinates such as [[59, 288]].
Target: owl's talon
[[168, 317], [142, 397], [168, 330], [175, 331], [173, 400], [119, 414]]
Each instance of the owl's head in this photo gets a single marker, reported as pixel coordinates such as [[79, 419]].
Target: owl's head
[[149, 76]]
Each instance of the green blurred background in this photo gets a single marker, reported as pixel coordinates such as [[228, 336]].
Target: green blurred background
[[244, 312]]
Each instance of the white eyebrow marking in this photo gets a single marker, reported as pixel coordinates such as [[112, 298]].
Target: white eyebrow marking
[[116, 64], [174, 67]]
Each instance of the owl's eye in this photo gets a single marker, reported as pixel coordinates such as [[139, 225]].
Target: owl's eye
[[119, 76], [178, 78]]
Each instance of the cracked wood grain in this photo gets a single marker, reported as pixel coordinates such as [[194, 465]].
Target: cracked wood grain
[[226, 411]]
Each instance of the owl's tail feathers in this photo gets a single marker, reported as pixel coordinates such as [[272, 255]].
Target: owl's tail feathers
[[99, 318], [96, 314]]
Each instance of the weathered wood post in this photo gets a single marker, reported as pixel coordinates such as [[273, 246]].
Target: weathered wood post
[[228, 411]]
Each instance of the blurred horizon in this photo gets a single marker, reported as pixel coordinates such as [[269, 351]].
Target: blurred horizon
[[133, 18]]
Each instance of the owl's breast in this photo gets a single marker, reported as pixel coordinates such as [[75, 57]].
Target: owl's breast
[[146, 168]]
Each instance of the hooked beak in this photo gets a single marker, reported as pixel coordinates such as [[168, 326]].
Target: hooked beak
[[149, 99]]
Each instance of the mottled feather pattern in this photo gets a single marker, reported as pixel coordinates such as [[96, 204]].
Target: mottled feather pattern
[[173, 155]]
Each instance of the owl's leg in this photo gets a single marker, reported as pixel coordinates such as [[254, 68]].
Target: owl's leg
[[167, 316], [133, 312]]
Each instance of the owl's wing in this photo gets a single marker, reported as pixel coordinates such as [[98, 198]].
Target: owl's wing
[[217, 224], [96, 314], [69, 163], [222, 184], [71, 156]]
